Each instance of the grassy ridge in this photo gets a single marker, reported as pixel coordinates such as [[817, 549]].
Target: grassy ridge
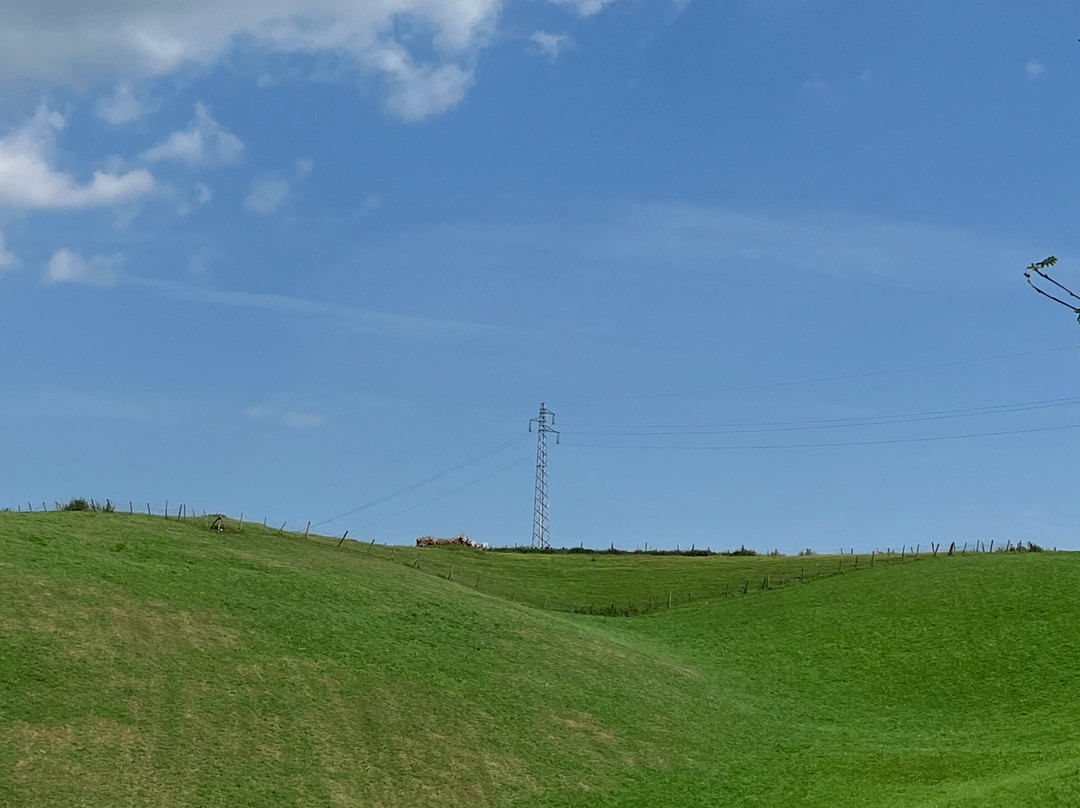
[[145, 662]]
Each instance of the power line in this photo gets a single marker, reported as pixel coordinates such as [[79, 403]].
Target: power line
[[830, 445], [825, 423], [817, 380], [447, 493], [398, 461], [434, 477]]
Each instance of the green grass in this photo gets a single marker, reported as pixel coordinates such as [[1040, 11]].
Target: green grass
[[629, 583], [154, 663]]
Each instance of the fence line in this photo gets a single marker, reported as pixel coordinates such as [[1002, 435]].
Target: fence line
[[772, 580]]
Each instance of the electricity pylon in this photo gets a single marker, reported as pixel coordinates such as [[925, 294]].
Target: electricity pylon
[[541, 535]]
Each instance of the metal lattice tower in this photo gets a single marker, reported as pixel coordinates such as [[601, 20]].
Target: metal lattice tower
[[541, 536]]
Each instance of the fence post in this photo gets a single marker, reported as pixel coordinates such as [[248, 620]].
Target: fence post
[[307, 529], [372, 545], [450, 577], [343, 538], [241, 522], [280, 529], [872, 554], [991, 545], [903, 552]]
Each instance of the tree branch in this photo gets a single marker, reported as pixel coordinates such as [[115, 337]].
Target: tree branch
[[1055, 299], [1042, 274]]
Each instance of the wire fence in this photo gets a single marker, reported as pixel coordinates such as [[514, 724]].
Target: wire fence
[[779, 572]]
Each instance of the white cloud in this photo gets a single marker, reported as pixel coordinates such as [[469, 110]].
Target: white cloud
[[67, 266], [413, 326], [368, 205], [551, 44], [1034, 69], [892, 252], [7, 259], [204, 193], [294, 419], [586, 8], [822, 92], [420, 91], [29, 181], [266, 195], [123, 106], [304, 167], [205, 143], [425, 49]]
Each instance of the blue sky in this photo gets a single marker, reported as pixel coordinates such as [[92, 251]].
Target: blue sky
[[291, 258]]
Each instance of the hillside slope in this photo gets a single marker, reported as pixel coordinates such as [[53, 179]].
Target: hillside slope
[[145, 662]]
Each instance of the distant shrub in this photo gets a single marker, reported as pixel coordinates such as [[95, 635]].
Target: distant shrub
[[77, 504], [774, 553], [1032, 547], [742, 551], [807, 552], [108, 507]]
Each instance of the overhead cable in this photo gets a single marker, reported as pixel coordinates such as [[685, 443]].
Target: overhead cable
[[483, 455], [927, 439]]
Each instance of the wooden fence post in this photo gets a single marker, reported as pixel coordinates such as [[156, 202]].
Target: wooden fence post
[[872, 554], [373, 544], [991, 545], [280, 529], [343, 538], [307, 529], [241, 521]]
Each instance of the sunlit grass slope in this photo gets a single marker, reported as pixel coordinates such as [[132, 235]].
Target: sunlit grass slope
[[145, 662]]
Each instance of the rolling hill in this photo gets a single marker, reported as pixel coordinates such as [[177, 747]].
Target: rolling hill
[[154, 662]]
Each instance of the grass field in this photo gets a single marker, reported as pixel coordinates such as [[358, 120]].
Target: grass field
[[146, 662], [629, 583]]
